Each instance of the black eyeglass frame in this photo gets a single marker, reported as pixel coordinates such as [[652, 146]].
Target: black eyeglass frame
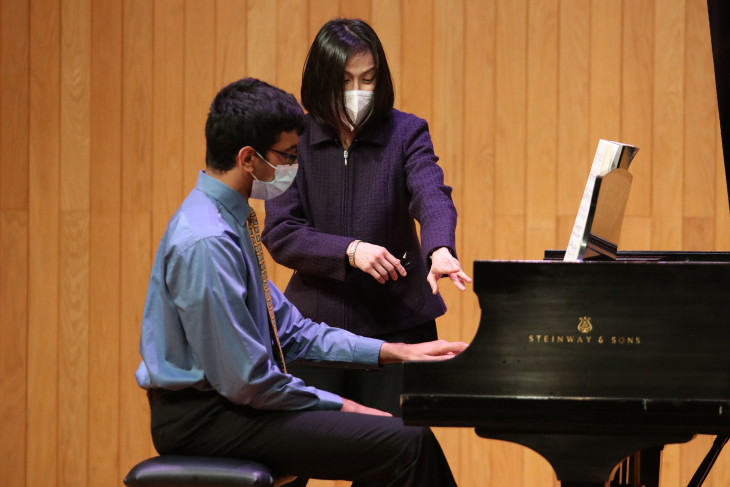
[[290, 158]]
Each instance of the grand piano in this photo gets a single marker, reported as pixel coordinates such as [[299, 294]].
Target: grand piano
[[591, 363]]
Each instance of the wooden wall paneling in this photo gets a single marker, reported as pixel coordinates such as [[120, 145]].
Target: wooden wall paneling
[[43, 242], [575, 155], [137, 102], [636, 117], [292, 44], [510, 129], [319, 12], [698, 231], [137, 245], [104, 337], [13, 337], [669, 471], [356, 9], [106, 108], [73, 341], [668, 136], [73, 358], [700, 117], [168, 189], [75, 104], [14, 40], [261, 45], [105, 243], [231, 29], [722, 223], [636, 229], [387, 20], [14, 221], [447, 125], [605, 72], [542, 137], [200, 83], [417, 48]]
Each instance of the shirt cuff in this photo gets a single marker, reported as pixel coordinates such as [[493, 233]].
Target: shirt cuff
[[367, 351], [329, 401]]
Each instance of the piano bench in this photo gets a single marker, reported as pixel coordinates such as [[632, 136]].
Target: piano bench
[[183, 471]]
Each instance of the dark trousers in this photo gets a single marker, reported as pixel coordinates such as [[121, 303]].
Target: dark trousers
[[378, 389], [368, 450]]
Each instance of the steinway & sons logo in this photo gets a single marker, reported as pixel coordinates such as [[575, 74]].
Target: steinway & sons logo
[[584, 325], [584, 336]]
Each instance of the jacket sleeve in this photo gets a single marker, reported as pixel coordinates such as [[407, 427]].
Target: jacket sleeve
[[431, 204]]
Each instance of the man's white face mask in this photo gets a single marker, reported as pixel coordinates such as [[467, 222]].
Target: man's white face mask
[[357, 104], [283, 178]]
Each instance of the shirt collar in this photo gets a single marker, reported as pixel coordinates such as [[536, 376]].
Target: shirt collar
[[228, 197]]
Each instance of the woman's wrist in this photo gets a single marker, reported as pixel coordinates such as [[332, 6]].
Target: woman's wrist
[[351, 249]]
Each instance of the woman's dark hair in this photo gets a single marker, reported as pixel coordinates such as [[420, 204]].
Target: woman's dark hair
[[248, 112], [323, 93]]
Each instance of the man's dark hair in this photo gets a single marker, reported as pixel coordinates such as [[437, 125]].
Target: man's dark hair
[[323, 92], [248, 112]]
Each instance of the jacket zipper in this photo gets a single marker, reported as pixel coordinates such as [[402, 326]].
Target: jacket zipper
[[345, 307]]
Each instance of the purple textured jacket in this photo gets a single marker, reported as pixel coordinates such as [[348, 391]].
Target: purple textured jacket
[[372, 192]]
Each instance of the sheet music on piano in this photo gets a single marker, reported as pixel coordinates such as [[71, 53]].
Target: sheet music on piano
[[600, 214]]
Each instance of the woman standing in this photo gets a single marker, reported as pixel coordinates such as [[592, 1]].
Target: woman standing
[[347, 226]]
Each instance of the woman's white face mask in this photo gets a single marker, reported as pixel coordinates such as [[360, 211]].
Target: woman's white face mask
[[283, 178], [357, 104]]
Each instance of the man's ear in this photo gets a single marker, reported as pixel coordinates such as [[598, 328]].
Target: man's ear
[[244, 158]]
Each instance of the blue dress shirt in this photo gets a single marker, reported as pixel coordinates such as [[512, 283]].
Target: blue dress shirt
[[205, 321]]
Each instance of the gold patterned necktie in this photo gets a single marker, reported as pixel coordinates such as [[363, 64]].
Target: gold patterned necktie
[[253, 231]]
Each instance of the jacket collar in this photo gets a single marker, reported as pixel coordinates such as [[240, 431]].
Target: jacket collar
[[377, 133]]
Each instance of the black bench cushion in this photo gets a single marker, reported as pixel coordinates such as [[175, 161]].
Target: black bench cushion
[[178, 471]]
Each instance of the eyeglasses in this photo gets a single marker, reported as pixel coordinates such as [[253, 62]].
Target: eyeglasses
[[289, 159]]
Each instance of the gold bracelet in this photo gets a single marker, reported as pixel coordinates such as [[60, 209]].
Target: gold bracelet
[[351, 251]]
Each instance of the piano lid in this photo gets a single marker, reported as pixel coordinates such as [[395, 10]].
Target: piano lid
[[719, 13]]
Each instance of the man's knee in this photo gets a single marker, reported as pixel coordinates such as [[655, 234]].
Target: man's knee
[[418, 440]]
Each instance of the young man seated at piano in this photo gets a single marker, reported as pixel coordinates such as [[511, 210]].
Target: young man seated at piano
[[217, 335]]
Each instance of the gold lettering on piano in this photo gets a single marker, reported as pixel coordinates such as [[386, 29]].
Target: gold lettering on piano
[[585, 327], [584, 339]]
